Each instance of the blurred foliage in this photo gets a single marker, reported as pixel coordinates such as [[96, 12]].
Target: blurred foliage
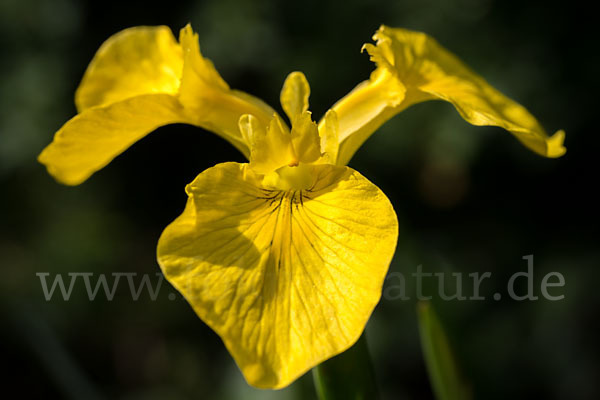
[[468, 199], [444, 372], [348, 375]]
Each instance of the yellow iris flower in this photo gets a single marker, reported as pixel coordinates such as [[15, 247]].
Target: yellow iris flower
[[285, 256]]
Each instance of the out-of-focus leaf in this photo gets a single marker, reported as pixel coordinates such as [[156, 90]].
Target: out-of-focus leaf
[[348, 376], [444, 374]]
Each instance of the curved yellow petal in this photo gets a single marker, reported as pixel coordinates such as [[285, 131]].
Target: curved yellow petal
[[428, 71], [140, 79], [287, 279], [135, 61], [146, 60], [90, 140], [363, 110], [209, 101], [129, 89]]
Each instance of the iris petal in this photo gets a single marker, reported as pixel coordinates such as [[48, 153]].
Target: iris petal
[[287, 279], [429, 72], [139, 80], [209, 101], [330, 138], [294, 95], [271, 146], [133, 62], [91, 140]]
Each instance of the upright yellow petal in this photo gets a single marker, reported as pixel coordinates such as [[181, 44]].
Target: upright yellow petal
[[305, 138], [135, 61], [294, 95], [287, 279], [274, 146], [428, 71], [305, 135], [270, 146], [330, 138]]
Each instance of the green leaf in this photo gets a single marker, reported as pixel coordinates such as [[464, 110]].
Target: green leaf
[[444, 374], [347, 376]]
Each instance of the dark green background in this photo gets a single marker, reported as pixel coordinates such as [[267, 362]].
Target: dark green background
[[468, 198]]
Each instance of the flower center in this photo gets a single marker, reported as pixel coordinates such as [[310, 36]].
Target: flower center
[[298, 177]]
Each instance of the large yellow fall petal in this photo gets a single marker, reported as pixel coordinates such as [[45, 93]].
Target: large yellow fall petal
[[428, 71], [287, 279]]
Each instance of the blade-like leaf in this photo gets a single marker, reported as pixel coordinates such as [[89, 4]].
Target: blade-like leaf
[[348, 376], [444, 374]]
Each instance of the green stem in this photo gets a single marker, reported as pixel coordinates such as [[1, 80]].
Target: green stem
[[347, 376]]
